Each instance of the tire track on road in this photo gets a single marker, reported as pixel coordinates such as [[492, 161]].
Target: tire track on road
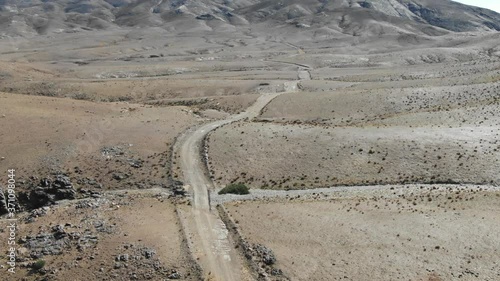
[[217, 257]]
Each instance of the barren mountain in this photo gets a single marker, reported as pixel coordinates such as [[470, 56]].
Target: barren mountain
[[368, 17], [361, 139]]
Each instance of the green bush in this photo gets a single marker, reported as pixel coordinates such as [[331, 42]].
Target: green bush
[[39, 264], [235, 188]]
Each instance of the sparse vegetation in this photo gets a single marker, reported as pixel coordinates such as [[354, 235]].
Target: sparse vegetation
[[235, 188], [39, 264], [82, 96], [343, 102]]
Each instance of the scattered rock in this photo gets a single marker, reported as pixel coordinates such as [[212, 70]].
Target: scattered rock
[[86, 240], [174, 275], [91, 203], [90, 193], [48, 192], [45, 244], [265, 254], [135, 163], [3, 203], [112, 151], [148, 253], [120, 176], [90, 182], [102, 226], [34, 214], [276, 272], [205, 17], [22, 251], [122, 257], [59, 232]]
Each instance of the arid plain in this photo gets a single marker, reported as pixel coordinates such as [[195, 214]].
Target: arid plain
[[367, 157]]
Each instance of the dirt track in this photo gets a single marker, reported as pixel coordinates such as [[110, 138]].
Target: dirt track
[[219, 259]]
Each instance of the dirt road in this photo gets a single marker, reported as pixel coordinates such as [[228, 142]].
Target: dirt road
[[219, 259]]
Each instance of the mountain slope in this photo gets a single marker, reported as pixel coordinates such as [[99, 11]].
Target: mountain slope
[[363, 17]]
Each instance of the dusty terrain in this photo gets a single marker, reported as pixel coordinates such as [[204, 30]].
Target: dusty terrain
[[88, 140], [91, 144], [314, 157], [116, 236], [404, 233], [219, 255], [372, 131], [367, 131]]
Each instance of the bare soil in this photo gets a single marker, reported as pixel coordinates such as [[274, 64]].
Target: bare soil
[[375, 125], [103, 103], [125, 223], [433, 233]]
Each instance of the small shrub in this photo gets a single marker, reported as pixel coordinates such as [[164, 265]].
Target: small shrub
[[82, 96], [125, 98], [39, 264], [235, 188]]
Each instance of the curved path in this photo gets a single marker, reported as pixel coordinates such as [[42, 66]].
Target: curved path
[[219, 259]]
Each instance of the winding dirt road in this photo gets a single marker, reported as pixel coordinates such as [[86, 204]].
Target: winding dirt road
[[219, 259]]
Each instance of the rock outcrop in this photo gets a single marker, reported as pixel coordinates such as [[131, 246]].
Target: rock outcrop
[[48, 191]]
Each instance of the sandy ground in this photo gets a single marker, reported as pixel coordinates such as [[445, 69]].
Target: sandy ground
[[402, 235]]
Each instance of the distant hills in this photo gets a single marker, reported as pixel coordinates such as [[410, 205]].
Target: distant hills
[[358, 18]]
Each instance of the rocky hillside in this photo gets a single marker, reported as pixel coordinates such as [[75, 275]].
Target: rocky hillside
[[362, 17]]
